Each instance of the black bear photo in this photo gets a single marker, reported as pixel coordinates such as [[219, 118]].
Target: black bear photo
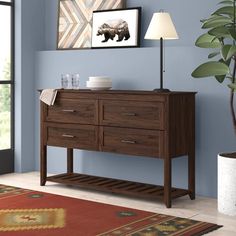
[[112, 28]]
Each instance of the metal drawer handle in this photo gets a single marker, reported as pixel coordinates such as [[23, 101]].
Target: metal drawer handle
[[70, 111], [129, 114], [128, 141], [67, 136]]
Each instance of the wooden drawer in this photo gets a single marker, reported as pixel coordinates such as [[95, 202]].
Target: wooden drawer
[[82, 111], [132, 141], [133, 114], [73, 136]]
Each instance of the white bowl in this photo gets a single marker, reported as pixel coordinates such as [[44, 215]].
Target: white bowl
[[99, 84], [99, 88], [99, 79]]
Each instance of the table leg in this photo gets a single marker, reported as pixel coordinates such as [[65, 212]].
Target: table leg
[[43, 165], [167, 182], [69, 160], [191, 176]]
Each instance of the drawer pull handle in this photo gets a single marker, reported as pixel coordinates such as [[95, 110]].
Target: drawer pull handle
[[129, 114], [67, 136], [70, 111], [128, 141]]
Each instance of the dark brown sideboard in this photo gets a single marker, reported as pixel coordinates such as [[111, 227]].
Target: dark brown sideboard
[[140, 123]]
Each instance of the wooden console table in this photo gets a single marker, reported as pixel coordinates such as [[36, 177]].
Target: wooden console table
[[141, 123]]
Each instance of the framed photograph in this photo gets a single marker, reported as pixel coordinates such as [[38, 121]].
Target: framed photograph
[[116, 28], [75, 21]]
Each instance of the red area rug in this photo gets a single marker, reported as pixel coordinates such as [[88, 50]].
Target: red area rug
[[31, 213]]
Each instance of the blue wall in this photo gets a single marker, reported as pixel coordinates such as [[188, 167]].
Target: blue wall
[[29, 35], [139, 69]]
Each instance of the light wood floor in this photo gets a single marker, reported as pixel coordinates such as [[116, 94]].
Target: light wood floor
[[204, 209]]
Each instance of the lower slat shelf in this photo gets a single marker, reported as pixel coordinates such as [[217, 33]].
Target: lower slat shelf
[[116, 186]]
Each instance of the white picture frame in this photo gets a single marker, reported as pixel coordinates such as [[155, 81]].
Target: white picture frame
[[116, 28]]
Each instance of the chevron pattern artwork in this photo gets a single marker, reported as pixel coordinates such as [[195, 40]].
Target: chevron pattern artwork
[[75, 21]]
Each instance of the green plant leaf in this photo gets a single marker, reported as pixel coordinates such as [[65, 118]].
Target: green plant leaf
[[228, 51], [229, 77], [232, 32], [210, 18], [220, 32], [224, 51], [220, 78], [228, 10], [225, 62], [213, 54], [216, 21], [232, 86], [208, 41], [212, 68], [203, 20], [213, 17], [228, 2]]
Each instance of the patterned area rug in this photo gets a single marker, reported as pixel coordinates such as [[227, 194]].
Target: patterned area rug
[[25, 213]]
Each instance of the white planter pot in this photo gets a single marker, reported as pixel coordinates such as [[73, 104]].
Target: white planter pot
[[227, 185]]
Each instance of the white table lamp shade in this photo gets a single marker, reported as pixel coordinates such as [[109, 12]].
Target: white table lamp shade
[[161, 26]]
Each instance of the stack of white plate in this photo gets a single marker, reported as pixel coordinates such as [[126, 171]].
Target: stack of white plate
[[99, 83]]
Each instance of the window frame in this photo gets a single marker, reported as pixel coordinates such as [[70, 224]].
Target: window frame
[[11, 82]]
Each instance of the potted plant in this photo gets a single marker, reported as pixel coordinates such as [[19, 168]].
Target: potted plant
[[220, 36]]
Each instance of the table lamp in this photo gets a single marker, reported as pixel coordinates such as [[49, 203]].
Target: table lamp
[[161, 28]]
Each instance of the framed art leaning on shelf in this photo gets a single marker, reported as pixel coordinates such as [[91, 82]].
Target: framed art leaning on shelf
[[75, 21]]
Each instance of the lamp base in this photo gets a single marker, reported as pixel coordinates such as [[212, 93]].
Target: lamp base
[[161, 90]]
